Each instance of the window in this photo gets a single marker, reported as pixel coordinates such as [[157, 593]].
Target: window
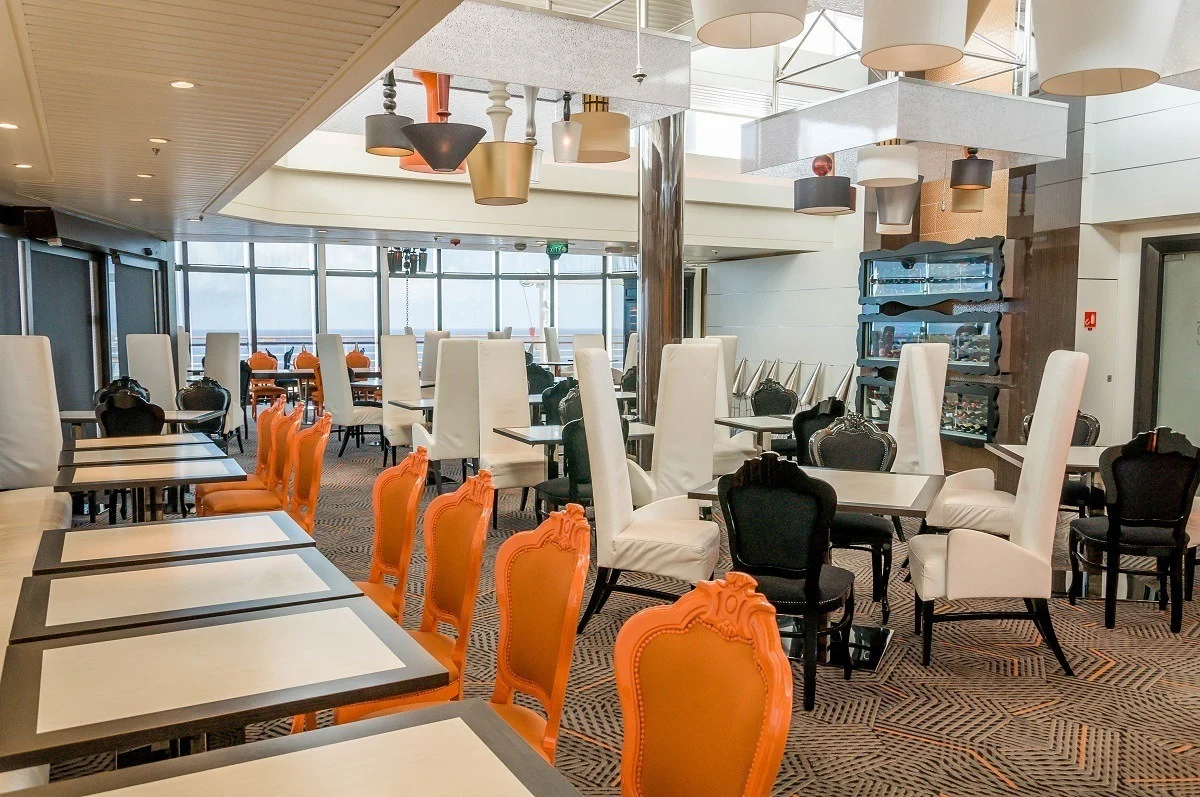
[[468, 261], [524, 263], [217, 303], [622, 315], [419, 296], [283, 306], [579, 264], [579, 309], [210, 253], [622, 263], [525, 306], [351, 305], [468, 306], [340, 257], [283, 255]]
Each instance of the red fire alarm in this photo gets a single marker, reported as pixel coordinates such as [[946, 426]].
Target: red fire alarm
[[1089, 320]]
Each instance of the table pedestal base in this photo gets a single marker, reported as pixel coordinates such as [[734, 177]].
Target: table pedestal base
[[868, 644]]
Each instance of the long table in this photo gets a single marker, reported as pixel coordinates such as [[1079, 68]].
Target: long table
[[174, 418], [77, 478], [138, 441], [171, 452], [870, 492]]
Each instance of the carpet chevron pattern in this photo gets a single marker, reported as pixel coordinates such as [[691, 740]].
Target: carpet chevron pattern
[[992, 715]]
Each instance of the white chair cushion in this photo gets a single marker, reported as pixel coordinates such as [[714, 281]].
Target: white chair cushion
[[682, 549], [927, 565], [367, 416], [515, 468], [983, 510], [730, 453]]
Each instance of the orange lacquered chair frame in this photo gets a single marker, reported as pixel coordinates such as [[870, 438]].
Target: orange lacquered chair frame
[[307, 360], [262, 388], [450, 605], [258, 479], [707, 746], [551, 561], [396, 499]]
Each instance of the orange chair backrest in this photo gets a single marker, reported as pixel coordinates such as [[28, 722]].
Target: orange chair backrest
[[540, 576], [307, 461], [456, 527], [266, 437], [262, 361], [283, 432], [397, 499], [357, 358], [305, 359], [706, 694], [318, 385]]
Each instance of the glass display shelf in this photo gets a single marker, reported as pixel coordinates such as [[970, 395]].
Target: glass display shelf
[[928, 273], [970, 413], [974, 338]]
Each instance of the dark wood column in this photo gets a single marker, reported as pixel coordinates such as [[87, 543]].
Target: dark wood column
[[660, 252]]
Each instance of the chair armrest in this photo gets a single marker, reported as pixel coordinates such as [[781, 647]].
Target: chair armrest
[[677, 507], [640, 484], [982, 565], [974, 479], [421, 437]]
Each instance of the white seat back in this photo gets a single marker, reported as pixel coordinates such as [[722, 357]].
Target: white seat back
[[631, 351], [729, 345], [507, 333], [916, 416], [429, 354], [722, 399], [683, 425], [398, 364], [553, 352], [30, 432], [496, 335], [612, 495], [588, 341], [183, 356], [456, 400], [152, 364], [221, 364], [335, 379], [503, 395]]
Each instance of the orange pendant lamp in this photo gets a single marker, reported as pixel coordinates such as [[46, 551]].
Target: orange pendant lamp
[[437, 100]]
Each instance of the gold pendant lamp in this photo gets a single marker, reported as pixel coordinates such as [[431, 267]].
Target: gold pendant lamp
[[605, 136], [500, 169]]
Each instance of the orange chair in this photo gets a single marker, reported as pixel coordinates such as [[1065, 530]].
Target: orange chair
[[299, 489], [357, 358], [396, 499], [258, 479], [263, 388], [282, 430], [455, 531], [307, 360], [706, 694]]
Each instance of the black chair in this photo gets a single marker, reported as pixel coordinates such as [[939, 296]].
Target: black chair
[[805, 424], [528, 357], [123, 383], [854, 443], [206, 394], [1078, 495], [539, 378], [126, 414], [629, 379], [292, 386], [571, 407], [1151, 483], [244, 369], [772, 398], [778, 521], [553, 396], [576, 486]]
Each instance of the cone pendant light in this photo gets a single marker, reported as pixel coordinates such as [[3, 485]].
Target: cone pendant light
[[792, 382], [531, 95], [385, 131], [566, 134], [895, 208], [808, 396], [605, 137], [500, 169], [440, 144], [739, 379]]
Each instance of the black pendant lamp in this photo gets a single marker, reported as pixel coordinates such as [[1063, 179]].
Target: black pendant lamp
[[825, 194], [385, 131], [971, 173], [443, 144]]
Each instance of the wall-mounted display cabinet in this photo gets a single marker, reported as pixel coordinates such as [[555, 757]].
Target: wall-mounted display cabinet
[[969, 412], [974, 338], [928, 273]]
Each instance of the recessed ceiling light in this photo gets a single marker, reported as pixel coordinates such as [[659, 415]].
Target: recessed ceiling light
[[8, 126], [322, 231], [22, 165], [182, 84], [135, 199], [159, 140], [145, 176], [195, 218], [539, 243]]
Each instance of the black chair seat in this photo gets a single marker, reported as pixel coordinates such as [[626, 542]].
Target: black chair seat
[[1076, 493], [560, 489], [856, 528], [787, 594], [785, 445], [1095, 529]]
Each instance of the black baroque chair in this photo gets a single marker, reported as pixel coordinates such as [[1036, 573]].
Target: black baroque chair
[[576, 486], [772, 398], [121, 383], [540, 379], [805, 424], [1078, 495], [126, 413], [571, 407], [553, 396], [629, 379], [778, 520], [206, 394], [854, 443], [1151, 483]]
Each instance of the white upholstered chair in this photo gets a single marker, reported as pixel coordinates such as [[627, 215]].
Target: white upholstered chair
[[916, 417], [222, 364], [183, 355], [339, 399], [429, 354], [665, 538], [631, 351], [496, 335], [504, 401], [553, 352], [398, 363], [683, 425], [151, 362], [454, 433], [967, 563], [729, 452]]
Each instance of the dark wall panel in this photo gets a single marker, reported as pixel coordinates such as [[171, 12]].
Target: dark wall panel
[[60, 309], [135, 305], [10, 288]]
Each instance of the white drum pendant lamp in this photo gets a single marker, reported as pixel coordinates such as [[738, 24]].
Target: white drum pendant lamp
[[913, 35], [740, 24], [1086, 48], [887, 165], [565, 134]]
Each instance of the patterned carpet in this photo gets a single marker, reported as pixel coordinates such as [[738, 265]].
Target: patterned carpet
[[992, 715]]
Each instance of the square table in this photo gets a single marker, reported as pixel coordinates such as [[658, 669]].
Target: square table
[[137, 441], [763, 426], [75, 696], [124, 456], [174, 418], [551, 435], [81, 549], [131, 476], [462, 749], [69, 604], [1080, 459]]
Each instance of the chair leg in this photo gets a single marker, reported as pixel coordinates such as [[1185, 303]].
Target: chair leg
[[899, 528], [1176, 592], [848, 662], [606, 579], [1112, 564], [92, 513], [918, 605], [241, 449], [437, 475], [811, 623], [345, 442], [1073, 551], [885, 574], [1163, 566], [1041, 614], [1189, 573], [524, 497], [537, 509], [496, 508], [112, 507], [927, 636]]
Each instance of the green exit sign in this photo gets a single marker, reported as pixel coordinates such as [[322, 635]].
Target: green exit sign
[[556, 248]]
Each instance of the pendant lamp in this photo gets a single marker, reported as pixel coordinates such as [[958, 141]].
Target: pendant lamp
[[605, 135], [896, 206], [500, 169], [441, 145], [888, 164], [913, 35], [962, 201], [741, 24], [531, 95], [1087, 48], [971, 173], [842, 391], [825, 194], [385, 131], [565, 134]]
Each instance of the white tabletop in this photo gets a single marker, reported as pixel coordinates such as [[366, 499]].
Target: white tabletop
[[163, 453], [136, 441], [1080, 459], [758, 423], [150, 473], [901, 494]]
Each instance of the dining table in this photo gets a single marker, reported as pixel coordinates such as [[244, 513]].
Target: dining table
[[137, 475], [763, 427], [137, 441], [80, 419], [180, 452], [549, 436]]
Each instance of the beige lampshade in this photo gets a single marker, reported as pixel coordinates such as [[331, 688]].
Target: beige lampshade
[[500, 172], [740, 24], [893, 229], [605, 135], [887, 165], [963, 200], [913, 35]]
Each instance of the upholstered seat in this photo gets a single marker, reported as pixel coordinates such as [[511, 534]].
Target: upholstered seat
[[1096, 529], [232, 502], [679, 547], [856, 528], [1079, 494], [560, 488], [964, 503], [787, 594], [381, 595]]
